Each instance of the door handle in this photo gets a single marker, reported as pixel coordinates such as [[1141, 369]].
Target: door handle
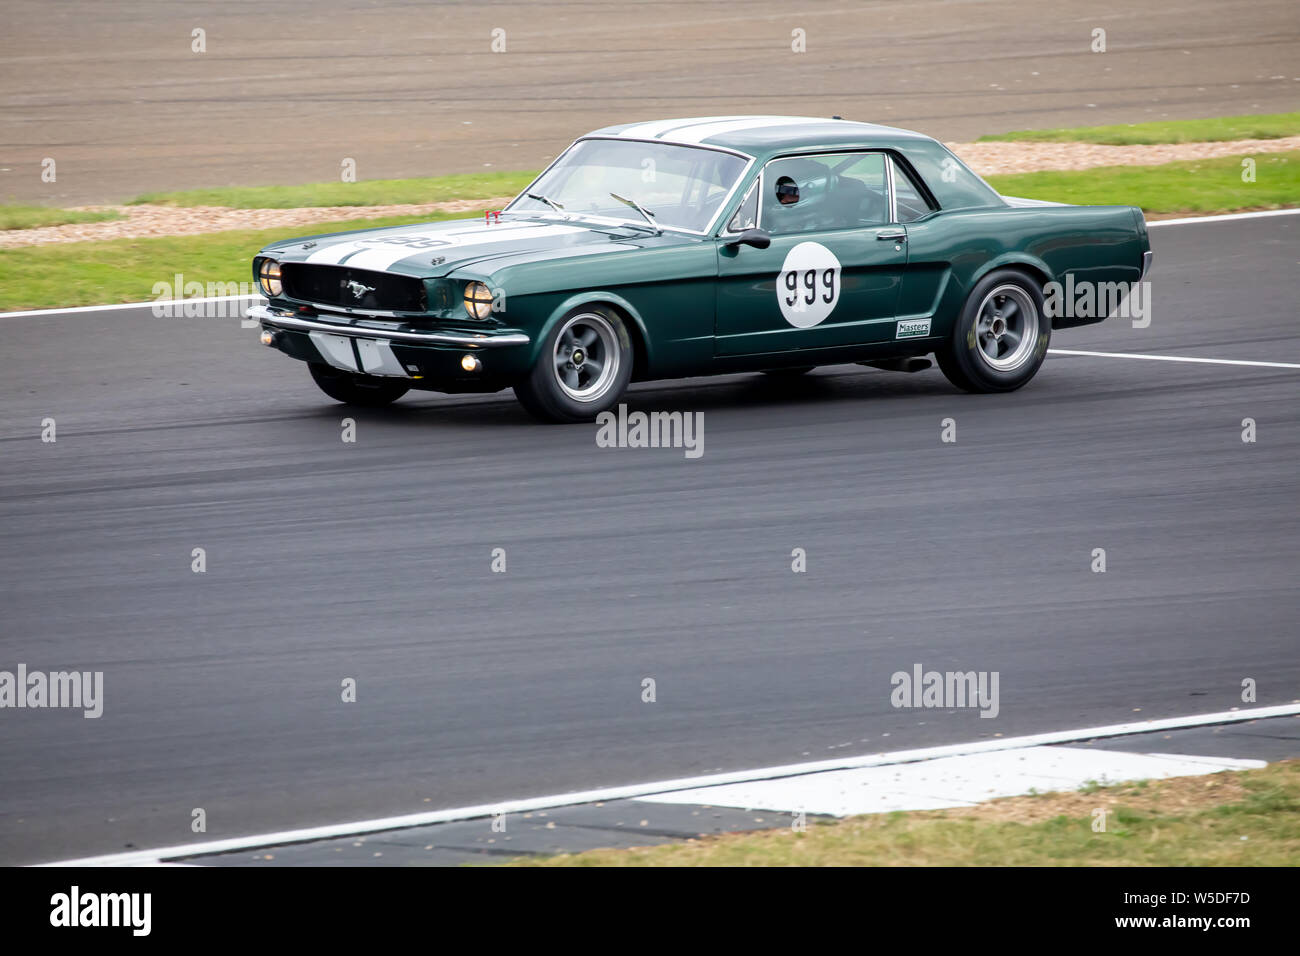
[[892, 236]]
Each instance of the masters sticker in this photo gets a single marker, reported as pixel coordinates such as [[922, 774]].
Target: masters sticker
[[912, 328], [809, 285]]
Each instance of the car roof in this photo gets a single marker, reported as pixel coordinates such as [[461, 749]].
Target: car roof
[[760, 136]]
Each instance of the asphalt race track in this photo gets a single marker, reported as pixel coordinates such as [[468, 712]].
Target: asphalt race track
[[286, 89], [328, 560]]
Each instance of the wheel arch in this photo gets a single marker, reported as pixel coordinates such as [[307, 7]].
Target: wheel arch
[[641, 355], [1018, 262]]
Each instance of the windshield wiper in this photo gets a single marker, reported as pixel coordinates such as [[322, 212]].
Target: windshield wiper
[[550, 202], [649, 216]]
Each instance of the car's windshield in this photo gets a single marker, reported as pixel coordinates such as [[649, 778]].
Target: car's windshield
[[681, 187]]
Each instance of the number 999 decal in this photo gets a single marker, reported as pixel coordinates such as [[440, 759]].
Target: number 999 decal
[[809, 285]]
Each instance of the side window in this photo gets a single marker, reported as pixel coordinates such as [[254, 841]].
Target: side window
[[816, 193], [911, 204], [747, 214]]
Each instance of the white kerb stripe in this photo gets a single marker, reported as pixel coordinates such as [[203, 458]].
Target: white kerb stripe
[[961, 781], [427, 818]]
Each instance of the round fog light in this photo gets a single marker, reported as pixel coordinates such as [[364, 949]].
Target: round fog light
[[268, 337], [469, 363]]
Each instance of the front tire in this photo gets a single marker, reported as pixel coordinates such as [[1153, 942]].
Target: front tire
[[1001, 336], [365, 391], [583, 369]]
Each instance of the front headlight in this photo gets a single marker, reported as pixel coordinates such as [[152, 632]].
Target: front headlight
[[268, 277], [478, 300]]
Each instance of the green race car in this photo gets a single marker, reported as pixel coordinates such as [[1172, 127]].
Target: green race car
[[699, 247]]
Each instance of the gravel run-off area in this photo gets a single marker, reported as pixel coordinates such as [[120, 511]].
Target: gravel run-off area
[[985, 158]]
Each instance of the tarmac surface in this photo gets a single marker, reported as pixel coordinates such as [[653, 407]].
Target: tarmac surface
[[286, 90], [328, 561]]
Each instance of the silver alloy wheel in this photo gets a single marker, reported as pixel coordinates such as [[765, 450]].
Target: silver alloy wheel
[[586, 357], [1006, 328]]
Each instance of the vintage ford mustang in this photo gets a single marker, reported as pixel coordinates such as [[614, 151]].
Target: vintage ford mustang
[[694, 247]]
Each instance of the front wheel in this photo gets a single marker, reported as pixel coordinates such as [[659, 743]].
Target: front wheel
[[584, 367], [367, 391], [1000, 338]]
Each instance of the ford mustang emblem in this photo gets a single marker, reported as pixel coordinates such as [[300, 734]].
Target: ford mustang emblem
[[358, 290]]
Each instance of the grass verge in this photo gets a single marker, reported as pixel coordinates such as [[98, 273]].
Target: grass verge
[[33, 217], [1194, 186], [124, 270], [1247, 818], [1219, 129], [378, 192]]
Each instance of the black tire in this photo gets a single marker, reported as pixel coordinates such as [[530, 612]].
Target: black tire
[[968, 358], [562, 386], [780, 373], [367, 391]]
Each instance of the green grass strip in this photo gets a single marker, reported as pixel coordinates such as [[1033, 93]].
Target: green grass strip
[[377, 192], [125, 270], [33, 217], [1151, 823], [1194, 186], [1219, 129]]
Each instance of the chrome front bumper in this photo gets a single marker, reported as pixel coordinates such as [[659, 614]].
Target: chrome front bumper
[[284, 319]]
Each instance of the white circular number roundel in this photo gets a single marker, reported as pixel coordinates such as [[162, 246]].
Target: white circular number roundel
[[809, 285]]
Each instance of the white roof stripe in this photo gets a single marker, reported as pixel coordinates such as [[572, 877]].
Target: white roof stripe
[[655, 129], [694, 135]]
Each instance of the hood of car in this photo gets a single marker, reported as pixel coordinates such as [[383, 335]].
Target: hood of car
[[432, 250]]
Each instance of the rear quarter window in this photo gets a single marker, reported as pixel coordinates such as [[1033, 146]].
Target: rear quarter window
[[908, 197], [949, 179]]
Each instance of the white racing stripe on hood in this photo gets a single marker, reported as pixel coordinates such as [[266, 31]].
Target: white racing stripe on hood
[[380, 253], [330, 255]]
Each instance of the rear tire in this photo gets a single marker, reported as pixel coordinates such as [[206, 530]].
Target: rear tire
[[583, 367], [366, 391], [1000, 338]]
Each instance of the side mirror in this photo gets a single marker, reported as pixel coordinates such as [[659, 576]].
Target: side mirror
[[758, 238]]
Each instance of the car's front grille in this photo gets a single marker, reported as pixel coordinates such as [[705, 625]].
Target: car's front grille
[[358, 289]]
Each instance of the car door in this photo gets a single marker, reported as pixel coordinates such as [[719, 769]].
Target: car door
[[832, 274]]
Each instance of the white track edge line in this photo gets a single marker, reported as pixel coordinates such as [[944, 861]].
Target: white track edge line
[[1174, 358], [224, 298], [133, 305], [1261, 214], [357, 828]]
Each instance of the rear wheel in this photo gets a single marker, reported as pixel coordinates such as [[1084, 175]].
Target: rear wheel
[[365, 390], [583, 369], [1000, 338]]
